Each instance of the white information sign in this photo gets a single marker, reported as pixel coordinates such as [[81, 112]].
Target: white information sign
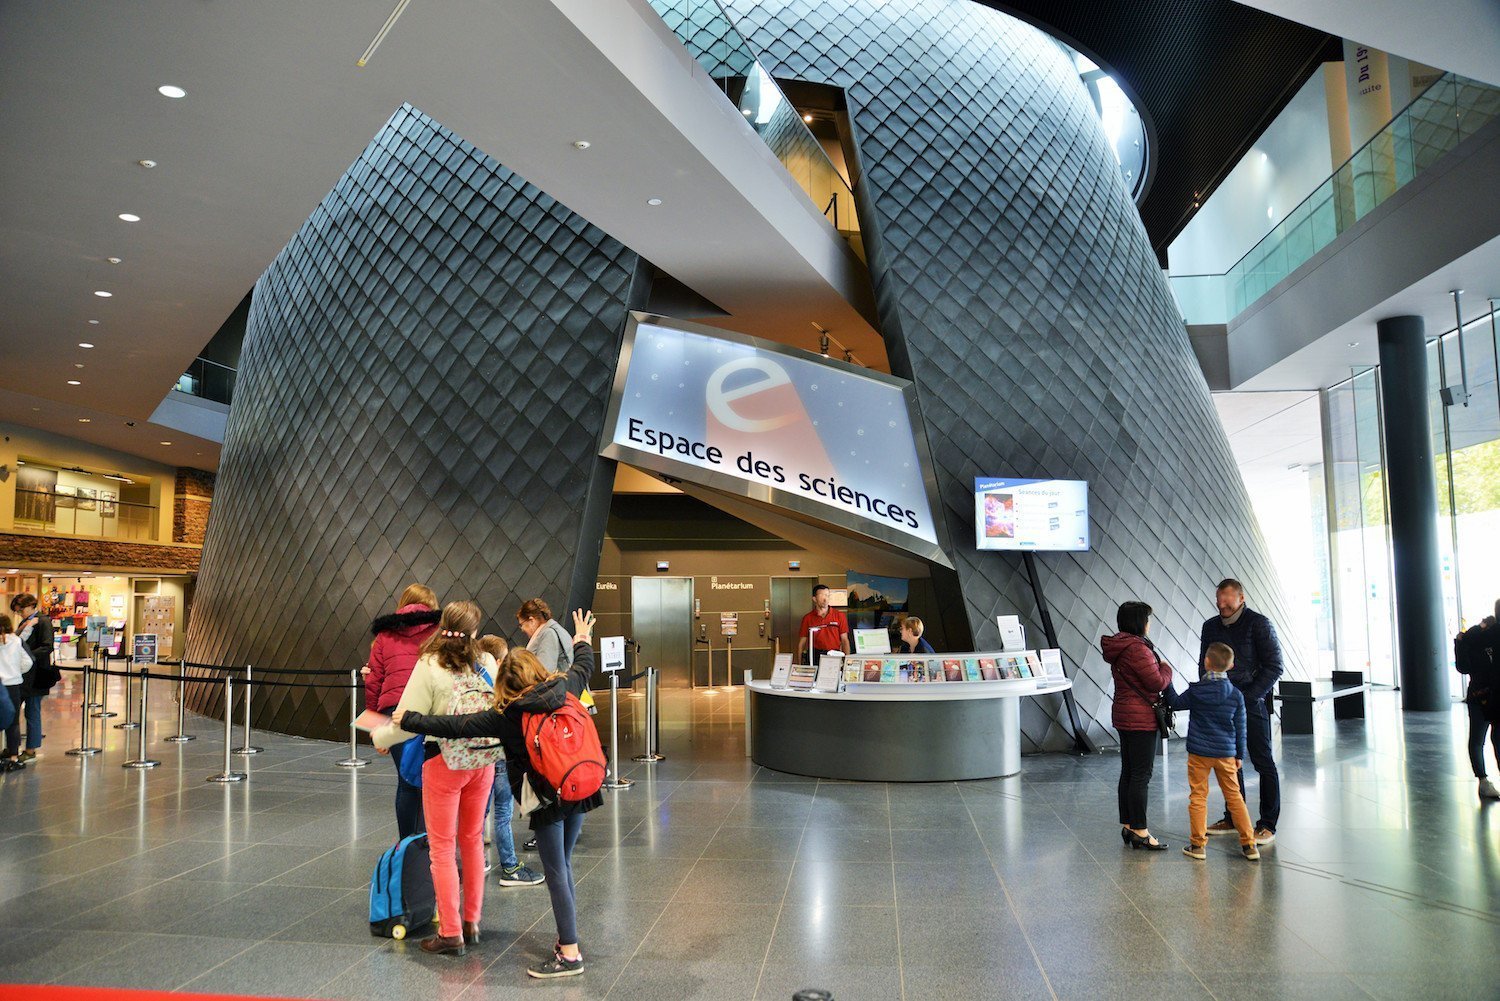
[[776, 424], [1012, 633], [1052, 664], [781, 669], [611, 654], [830, 670]]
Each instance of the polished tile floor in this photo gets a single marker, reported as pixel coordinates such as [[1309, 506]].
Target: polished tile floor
[[712, 878]]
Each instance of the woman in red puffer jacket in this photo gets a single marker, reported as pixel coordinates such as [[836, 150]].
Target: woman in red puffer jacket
[[1140, 676], [398, 643]]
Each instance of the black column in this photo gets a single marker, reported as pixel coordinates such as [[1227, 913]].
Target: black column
[[1412, 484]]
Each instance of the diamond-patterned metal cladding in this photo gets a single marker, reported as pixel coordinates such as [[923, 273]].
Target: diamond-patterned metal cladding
[[1017, 289], [424, 380]]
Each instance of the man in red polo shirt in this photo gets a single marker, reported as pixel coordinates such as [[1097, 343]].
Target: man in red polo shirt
[[829, 628]]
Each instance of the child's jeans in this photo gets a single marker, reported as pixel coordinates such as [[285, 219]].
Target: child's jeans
[[504, 807], [1229, 784]]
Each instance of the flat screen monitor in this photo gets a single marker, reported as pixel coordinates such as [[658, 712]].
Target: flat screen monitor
[[1038, 515]]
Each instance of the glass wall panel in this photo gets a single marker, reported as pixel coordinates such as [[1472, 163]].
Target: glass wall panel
[[1474, 433], [1375, 528]]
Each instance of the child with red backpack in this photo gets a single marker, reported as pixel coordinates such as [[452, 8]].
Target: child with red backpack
[[555, 765]]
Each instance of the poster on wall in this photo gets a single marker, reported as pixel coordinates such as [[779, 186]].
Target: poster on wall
[[874, 601], [36, 497], [826, 439], [107, 503], [88, 499], [66, 496]]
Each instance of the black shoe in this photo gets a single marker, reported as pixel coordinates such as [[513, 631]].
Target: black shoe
[[556, 966], [1125, 835], [529, 846], [471, 932], [1150, 844]]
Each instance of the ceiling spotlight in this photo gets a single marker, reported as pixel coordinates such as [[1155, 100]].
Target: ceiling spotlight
[[823, 345], [130, 424], [1354, 344], [103, 294], [748, 111], [95, 322], [78, 364], [113, 260], [85, 420], [148, 164], [581, 144], [84, 344], [164, 443], [168, 90], [129, 217], [807, 118], [653, 201], [74, 382]]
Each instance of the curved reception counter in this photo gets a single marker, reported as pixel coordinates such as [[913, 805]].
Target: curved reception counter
[[893, 732]]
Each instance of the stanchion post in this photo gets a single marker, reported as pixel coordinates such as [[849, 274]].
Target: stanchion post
[[228, 774], [140, 760], [247, 747], [653, 720], [91, 702], [129, 723], [104, 712], [181, 736], [353, 760], [615, 779], [83, 750]]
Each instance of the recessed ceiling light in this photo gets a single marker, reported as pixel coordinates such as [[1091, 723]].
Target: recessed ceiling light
[[581, 144], [169, 90], [748, 111], [653, 201], [74, 382], [164, 443], [85, 420], [78, 364], [129, 217], [113, 260], [95, 322], [148, 164], [84, 344], [103, 294], [807, 118]]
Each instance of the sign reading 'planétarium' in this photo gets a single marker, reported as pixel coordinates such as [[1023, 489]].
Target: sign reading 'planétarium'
[[770, 422]]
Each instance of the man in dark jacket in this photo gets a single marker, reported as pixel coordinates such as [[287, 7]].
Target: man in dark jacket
[[1257, 666], [1474, 655]]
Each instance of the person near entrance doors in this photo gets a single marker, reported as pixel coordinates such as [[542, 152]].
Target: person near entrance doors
[[1475, 655], [35, 631], [398, 642], [1257, 666], [911, 637], [827, 625]]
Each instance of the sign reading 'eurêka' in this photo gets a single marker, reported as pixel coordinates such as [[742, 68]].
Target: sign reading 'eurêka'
[[820, 436]]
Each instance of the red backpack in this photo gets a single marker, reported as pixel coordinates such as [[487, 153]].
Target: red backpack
[[565, 751]]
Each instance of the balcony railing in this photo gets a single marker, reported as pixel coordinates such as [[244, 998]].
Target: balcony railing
[[707, 32], [208, 380], [1444, 115], [96, 514]]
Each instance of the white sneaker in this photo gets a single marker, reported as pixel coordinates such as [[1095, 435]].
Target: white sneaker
[[1487, 790]]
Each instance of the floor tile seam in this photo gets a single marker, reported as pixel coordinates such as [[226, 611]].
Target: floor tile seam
[[323, 988], [786, 891], [1370, 886], [226, 959], [1133, 903], [896, 897], [130, 939], [675, 892], [1009, 903]]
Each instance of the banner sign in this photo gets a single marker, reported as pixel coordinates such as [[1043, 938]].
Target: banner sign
[[762, 420]]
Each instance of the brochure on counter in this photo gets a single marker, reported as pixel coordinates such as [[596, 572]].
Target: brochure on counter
[[1044, 665]]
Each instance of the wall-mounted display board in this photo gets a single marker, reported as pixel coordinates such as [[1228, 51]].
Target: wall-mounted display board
[[1036, 515]]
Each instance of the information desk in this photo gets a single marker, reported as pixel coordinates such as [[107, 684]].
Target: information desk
[[894, 732]]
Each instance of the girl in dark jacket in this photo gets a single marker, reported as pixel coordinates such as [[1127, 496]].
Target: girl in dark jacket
[[394, 651], [524, 685], [1139, 676]]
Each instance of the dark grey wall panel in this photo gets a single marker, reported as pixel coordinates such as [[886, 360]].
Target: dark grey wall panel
[[1017, 289], [421, 394]]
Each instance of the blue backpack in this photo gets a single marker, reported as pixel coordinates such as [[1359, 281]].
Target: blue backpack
[[401, 896]]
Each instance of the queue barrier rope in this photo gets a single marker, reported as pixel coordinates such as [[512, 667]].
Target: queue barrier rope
[[194, 665], [173, 677]]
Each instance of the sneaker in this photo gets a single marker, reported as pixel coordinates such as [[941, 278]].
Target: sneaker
[[30, 754], [1264, 835], [488, 865], [1221, 827], [556, 966], [529, 846], [1251, 853], [520, 876], [1487, 790], [1194, 851], [11, 765]]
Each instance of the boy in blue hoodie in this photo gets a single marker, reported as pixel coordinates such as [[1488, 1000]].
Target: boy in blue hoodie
[[1215, 743]]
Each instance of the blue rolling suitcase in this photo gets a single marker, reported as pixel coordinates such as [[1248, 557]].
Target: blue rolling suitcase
[[401, 895]]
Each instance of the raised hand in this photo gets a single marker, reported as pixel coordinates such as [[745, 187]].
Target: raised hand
[[583, 626]]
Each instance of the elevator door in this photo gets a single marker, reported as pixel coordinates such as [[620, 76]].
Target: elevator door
[[661, 613], [791, 598]]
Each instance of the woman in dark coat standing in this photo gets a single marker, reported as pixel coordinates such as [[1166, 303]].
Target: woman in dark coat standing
[[393, 653], [1139, 676]]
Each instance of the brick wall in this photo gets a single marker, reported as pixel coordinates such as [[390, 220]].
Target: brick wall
[[191, 496], [24, 548]]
